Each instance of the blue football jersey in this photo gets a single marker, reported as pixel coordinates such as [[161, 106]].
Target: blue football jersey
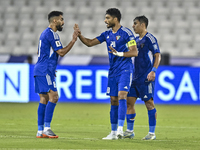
[[143, 63], [119, 42], [49, 43]]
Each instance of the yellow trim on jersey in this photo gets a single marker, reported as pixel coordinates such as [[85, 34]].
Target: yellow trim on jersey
[[131, 43]]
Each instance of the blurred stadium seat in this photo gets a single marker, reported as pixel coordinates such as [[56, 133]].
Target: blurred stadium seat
[[5, 50], [176, 23], [32, 50], [19, 50], [6, 2], [49, 3], [26, 13], [27, 39], [12, 39], [79, 4], [64, 3], [35, 3], [84, 12], [19, 3]]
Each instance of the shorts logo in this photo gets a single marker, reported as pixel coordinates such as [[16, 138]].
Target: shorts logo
[[126, 87], [145, 96], [58, 43], [108, 90]]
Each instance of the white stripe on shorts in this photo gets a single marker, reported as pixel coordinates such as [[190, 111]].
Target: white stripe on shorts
[[131, 78], [150, 88], [48, 79]]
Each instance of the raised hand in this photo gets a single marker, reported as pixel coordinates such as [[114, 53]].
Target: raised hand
[[116, 53], [76, 28]]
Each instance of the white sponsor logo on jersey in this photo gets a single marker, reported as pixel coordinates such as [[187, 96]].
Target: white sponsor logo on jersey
[[155, 47], [58, 43]]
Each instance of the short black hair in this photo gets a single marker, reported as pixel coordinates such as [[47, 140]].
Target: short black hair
[[142, 19], [54, 14], [114, 12]]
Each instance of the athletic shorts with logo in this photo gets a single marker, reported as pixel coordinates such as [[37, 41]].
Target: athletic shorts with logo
[[119, 83], [44, 84], [144, 91]]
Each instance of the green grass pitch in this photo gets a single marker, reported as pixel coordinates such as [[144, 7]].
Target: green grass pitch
[[82, 126]]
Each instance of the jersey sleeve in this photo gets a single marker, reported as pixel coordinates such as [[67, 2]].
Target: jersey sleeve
[[128, 35], [54, 40], [102, 38], [153, 44]]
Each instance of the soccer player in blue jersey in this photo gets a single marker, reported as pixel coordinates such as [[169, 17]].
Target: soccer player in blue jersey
[[49, 49], [121, 47], [145, 66]]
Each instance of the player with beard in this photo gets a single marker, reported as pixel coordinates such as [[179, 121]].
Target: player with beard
[[121, 47], [49, 49]]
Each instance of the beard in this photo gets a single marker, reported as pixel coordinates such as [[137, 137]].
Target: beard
[[110, 25], [59, 27]]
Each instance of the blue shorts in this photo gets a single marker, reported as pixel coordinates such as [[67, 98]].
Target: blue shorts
[[119, 83], [144, 91], [43, 84]]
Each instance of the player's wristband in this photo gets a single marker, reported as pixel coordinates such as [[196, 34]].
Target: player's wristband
[[154, 69], [120, 54]]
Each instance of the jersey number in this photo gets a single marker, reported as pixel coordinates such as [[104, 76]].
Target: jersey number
[[112, 44]]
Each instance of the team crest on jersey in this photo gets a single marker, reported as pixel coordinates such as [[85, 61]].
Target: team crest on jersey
[[142, 45], [118, 37]]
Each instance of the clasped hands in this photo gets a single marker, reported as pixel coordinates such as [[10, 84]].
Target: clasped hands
[[77, 31]]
